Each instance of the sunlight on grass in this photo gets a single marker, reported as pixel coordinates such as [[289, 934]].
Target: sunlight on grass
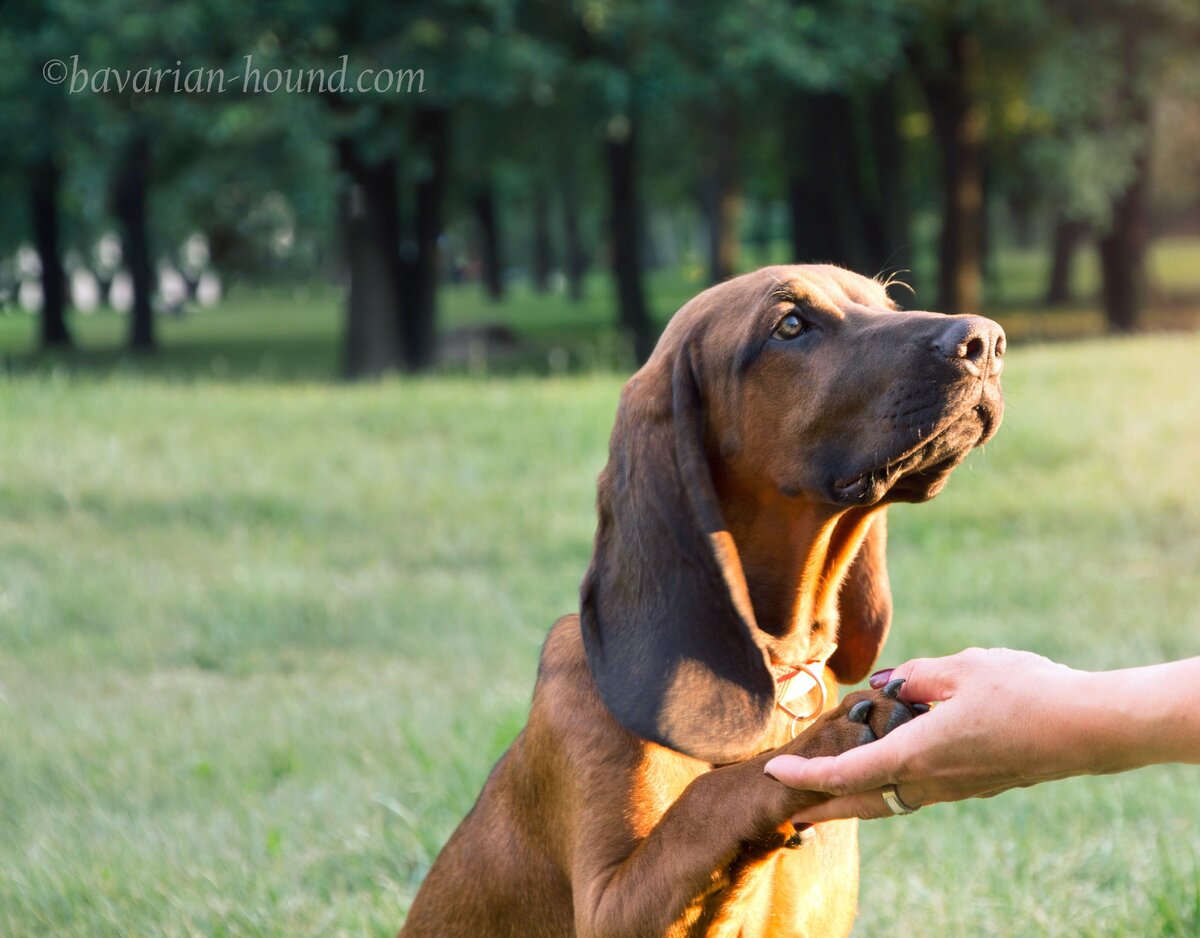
[[264, 641]]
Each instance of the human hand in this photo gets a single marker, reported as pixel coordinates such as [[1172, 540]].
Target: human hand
[[1001, 719]]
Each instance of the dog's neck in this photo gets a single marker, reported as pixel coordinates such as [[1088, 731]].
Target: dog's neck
[[794, 555]]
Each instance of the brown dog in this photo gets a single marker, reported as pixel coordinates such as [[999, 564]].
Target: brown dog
[[738, 569]]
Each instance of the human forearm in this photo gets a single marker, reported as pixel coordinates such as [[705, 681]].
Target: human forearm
[[1145, 716], [1008, 719]]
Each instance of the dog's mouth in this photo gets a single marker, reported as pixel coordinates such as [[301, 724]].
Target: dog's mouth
[[921, 472]]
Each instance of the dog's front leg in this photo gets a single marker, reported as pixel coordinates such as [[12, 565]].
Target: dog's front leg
[[724, 816]]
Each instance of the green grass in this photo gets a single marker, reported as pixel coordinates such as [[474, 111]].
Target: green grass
[[261, 639]]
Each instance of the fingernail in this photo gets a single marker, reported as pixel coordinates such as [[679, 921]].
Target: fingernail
[[879, 678], [767, 770]]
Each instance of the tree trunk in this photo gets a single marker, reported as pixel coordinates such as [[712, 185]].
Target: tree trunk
[[1123, 248], [543, 256], [624, 229], [762, 230], [823, 192], [483, 204], [44, 191], [103, 287], [986, 255], [1066, 238], [576, 258], [135, 241], [885, 211], [1123, 257], [958, 122], [722, 199], [1020, 210], [431, 132], [191, 282], [371, 240], [224, 242]]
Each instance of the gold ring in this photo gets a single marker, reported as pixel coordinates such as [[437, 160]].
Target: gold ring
[[895, 803]]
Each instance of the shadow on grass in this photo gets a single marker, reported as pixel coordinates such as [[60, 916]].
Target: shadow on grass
[[254, 342], [283, 359]]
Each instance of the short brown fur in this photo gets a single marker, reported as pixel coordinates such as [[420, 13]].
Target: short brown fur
[[741, 527]]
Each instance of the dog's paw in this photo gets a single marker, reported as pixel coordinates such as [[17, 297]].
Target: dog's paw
[[874, 714], [861, 718]]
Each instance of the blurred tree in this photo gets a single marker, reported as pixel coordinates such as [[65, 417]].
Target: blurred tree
[[840, 64], [625, 233], [947, 65], [1097, 84], [141, 122], [1066, 235], [958, 55], [129, 200], [33, 123], [483, 205], [529, 110], [44, 187], [720, 63], [395, 148], [419, 263], [574, 102], [628, 73], [575, 251], [543, 252], [1123, 244], [262, 195]]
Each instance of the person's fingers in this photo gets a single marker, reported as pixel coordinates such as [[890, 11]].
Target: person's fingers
[[867, 805], [856, 770], [799, 772], [929, 680]]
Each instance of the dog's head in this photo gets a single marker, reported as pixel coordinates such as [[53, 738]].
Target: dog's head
[[740, 513]]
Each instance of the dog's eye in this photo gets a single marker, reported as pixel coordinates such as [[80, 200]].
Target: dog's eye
[[789, 327]]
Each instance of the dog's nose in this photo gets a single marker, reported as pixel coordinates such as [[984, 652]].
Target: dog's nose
[[974, 341]]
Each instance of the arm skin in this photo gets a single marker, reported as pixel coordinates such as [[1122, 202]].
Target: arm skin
[[1005, 719]]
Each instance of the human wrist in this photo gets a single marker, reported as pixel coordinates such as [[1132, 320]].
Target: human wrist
[[1109, 720], [1134, 717], [1164, 717]]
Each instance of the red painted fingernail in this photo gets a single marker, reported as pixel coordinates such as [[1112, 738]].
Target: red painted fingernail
[[879, 678]]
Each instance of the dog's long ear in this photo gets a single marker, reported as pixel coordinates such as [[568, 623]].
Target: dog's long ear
[[864, 607], [667, 624]]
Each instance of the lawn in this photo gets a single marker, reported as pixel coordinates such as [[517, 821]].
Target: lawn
[[261, 638]]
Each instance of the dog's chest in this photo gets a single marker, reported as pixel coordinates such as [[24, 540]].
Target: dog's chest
[[811, 891]]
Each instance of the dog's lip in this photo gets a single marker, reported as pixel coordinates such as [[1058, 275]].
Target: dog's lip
[[872, 483], [887, 472]]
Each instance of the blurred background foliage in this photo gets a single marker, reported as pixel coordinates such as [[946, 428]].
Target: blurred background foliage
[[561, 149]]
